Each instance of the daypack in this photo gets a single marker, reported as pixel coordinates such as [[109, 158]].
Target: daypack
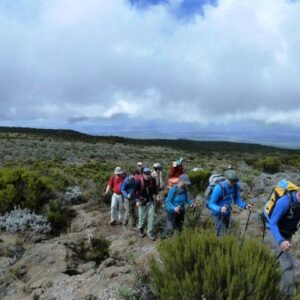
[[171, 182], [152, 183], [213, 181], [282, 188]]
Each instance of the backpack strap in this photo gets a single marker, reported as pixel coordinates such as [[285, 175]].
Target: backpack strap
[[234, 191], [176, 189], [113, 181], [223, 190]]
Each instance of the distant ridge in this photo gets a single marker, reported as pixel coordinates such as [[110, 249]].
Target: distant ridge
[[180, 144]]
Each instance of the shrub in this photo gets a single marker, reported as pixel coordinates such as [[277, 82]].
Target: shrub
[[56, 216], [199, 180], [269, 164], [24, 188], [293, 160], [125, 293], [23, 220], [198, 265]]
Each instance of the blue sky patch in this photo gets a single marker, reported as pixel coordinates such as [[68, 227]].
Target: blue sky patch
[[187, 8]]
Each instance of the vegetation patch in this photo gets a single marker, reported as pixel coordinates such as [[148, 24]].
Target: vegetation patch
[[96, 250], [198, 265], [24, 188], [268, 164], [199, 180]]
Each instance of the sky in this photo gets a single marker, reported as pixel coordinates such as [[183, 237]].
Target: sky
[[201, 69]]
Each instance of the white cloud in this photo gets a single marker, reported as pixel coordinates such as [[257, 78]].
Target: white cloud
[[99, 59]]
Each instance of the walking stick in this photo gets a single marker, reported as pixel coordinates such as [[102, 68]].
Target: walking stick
[[281, 252], [220, 225], [278, 256], [246, 227]]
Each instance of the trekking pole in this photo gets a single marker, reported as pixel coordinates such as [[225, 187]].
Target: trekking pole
[[194, 210], [278, 256], [221, 222], [281, 252], [246, 227]]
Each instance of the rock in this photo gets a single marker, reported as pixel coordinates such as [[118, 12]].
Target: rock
[[90, 297], [40, 270], [107, 263], [87, 267], [114, 271], [118, 249], [38, 283], [37, 293], [5, 263]]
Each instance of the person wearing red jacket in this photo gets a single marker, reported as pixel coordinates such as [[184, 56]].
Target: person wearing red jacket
[[117, 201], [177, 169]]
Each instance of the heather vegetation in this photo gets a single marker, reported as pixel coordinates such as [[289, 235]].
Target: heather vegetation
[[198, 265], [51, 185]]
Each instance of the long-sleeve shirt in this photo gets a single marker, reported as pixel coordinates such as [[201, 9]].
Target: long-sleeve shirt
[[231, 194], [177, 197], [281, 208], [128, 187]]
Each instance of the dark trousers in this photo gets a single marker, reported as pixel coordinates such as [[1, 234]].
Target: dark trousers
[[221, 224], [175, 220]]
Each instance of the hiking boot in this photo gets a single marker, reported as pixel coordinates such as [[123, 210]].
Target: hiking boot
[[112, 222], [151, 237], [141, 233]]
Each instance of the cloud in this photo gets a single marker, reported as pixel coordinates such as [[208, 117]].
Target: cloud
[[72, 61]]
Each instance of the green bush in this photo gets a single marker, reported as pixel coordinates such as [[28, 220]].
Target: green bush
[[293, 160], [198, 265], [57, 217], [269, 164], [199, 180], [24, 188]]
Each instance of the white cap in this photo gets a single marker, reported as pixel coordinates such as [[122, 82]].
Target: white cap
[[118, 171]]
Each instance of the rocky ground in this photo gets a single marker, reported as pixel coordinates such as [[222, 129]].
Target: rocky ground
[[38, 268]]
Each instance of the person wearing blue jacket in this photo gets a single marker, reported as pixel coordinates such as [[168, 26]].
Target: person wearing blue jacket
[[282, 225], [128, 191], [220, 204], [175, 201]]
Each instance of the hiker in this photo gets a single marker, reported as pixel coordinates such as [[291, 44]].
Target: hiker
[[157, 174], [282, 223], [175, 201], [221, 199], [177, 168], [146, 190], [128, 191], [173, 177], [117, 202], [140, 166]]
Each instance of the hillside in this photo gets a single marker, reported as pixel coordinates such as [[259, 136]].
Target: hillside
[[179, 144], [61, 175]]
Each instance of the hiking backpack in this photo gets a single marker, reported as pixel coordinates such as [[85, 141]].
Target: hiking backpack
[[213, 181], [282, 188]]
